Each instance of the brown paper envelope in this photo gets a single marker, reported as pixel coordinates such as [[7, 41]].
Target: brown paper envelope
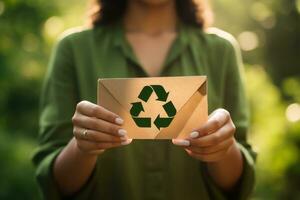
[[187, 93]]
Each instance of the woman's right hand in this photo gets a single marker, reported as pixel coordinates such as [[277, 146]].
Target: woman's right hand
[[96, 128]]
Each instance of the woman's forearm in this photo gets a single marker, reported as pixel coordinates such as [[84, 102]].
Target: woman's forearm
[[72, 168], [95, 129], [227, 171]]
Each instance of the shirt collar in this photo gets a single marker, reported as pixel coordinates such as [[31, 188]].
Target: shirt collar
[[183, 34], [183, 40]]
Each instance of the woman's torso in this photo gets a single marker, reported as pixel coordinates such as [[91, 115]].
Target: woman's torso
[[147, 169]]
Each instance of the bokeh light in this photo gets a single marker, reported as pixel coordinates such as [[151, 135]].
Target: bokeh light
[[260, 11], [53, 27], [263, 14], [2, 7], [298, 5], [30, 43], [293, 112], [248, 40]]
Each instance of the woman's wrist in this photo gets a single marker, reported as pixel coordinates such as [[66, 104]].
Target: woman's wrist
[[79, 152], [233, 151], [223, 170], [72, 168]]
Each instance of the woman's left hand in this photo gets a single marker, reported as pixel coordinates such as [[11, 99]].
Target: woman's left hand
[[211, 141]]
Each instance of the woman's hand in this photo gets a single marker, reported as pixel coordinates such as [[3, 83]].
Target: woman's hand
[[97, 129], [212, 141], [214, 144]]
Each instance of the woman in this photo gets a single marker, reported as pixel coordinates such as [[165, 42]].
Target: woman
[[85, 154]]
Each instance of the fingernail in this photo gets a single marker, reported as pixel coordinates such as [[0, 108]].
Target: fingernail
[[181, 142], [194, 134], [122, 132], [128, 141], [119, 120]]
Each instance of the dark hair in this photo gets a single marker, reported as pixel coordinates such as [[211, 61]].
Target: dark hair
[[105, 12]]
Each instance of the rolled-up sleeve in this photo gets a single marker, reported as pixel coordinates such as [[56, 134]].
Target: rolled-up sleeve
[[235, 102], [58, 102]]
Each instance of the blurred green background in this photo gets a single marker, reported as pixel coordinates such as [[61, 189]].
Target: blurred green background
[[269, 35]]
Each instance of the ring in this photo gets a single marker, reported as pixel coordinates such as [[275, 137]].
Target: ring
[[84, 133]]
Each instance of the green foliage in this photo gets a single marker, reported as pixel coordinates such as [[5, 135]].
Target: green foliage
[[17, 172], [22, 56], [275, 139], [268, 32], [283, 42], [271, 49]]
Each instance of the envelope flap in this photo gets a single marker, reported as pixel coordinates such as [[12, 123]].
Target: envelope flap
[[176, 89]]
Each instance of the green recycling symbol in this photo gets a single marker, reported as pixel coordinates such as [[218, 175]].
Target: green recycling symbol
[[162, 95]]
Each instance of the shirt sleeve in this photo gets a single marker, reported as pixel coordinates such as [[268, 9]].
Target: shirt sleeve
[[58, 102], [234, 101]]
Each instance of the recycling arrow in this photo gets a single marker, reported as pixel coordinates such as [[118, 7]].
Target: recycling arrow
[[162, 95], [145, 93], [136, 108], [162, 122], [142, 121], [170, 109]]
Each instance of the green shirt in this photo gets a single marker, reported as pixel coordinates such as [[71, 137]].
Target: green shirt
[[145, 169]]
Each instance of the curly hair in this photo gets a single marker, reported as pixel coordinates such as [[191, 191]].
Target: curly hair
[[195, 13]]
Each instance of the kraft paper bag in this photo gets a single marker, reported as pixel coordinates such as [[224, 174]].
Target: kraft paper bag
[[156, 107]]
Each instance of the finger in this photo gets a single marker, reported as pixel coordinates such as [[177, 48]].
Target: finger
[[216, 120], [215, 138], [96, 136], [212, 149], [98, 125], [181, 142], [209, 157], [94, 110]]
